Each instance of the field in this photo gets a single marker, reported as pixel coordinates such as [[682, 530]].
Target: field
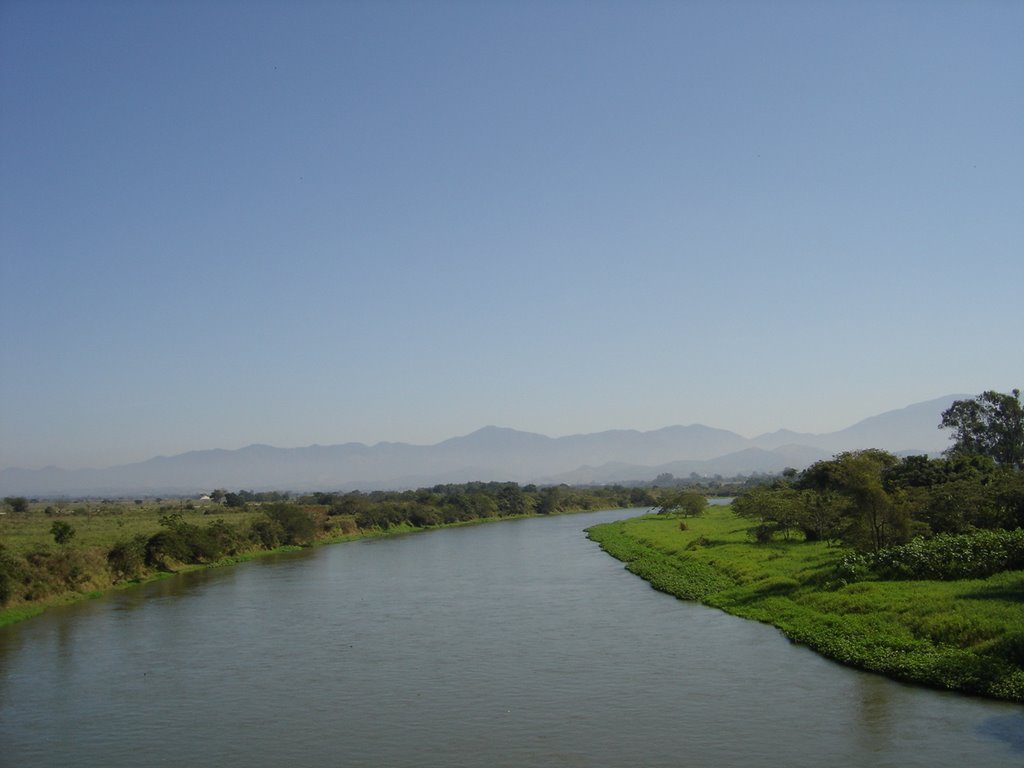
[[37, 571], [963, 635], [100, 524], [55, 552]]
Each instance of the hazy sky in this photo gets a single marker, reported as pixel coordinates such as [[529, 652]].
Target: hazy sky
[[318, 222]]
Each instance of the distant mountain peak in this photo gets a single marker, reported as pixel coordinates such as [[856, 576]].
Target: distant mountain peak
[[490, 453]]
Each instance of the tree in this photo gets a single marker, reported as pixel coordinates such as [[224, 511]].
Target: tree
[[772, 509], [878, 521], [916, 472], [62, 532], [127, 558], [686, 503], [297, 526], [820, 515], [11, 574], [512, 501], [851, 496], [351, 503], [550, 501], [17, 504], [181, 541], [641, 497], [991, 424]]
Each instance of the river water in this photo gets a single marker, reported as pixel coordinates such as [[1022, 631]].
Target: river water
[[513, 644]]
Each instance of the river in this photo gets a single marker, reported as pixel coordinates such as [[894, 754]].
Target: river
[[511, 644]]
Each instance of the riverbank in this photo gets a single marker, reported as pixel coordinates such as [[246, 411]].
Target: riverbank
[[966, 636], [100, 532]]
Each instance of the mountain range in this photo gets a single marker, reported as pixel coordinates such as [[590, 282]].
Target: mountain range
[[491, 453]]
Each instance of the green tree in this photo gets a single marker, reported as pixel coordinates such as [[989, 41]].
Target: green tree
[[297, 526], [852, 485], [685, 503], [772, 509], [512, 501], [17, 504], [550, 500], [916, 472], [473, 505], [228, 539], [127, 558], [265, 532], [991, 424], [957, 506], [181, 541], [12, 572], [62, 532], [820, 515], [878, 521], [351, 503], [641, 497]]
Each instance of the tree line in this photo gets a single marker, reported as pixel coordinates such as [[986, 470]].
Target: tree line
[[871, 500], [278, 520]]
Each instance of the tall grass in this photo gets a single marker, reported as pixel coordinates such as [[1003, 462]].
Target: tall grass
[[98, 525]]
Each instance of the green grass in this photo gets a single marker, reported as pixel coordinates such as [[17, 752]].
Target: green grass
[[99, 525], [964, 635]]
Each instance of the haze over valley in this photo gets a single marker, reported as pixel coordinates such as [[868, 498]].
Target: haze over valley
[[493, 453]]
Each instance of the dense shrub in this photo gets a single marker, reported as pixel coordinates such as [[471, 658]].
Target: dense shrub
[[296, 524], [266, 533], [11, 574], [944, 557], [49, 571], [226, 539], [423, 517], [127, 558], [165, 546], [182, 542]]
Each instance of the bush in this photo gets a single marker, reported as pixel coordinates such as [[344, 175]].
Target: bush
[[183, 542], [226, 539], [62, 532], [165, 546], [347, 526], [18, 504], [266, 533], [50, 572], [944, 557], [297, 526], [12, 572], [127, 559]]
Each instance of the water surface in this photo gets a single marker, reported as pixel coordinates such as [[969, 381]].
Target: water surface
[[512, 644]]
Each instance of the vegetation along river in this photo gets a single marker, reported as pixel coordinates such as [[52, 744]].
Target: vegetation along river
[[511, 644]]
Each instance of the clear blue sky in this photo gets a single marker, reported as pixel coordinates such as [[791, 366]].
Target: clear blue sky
[[318, 222]]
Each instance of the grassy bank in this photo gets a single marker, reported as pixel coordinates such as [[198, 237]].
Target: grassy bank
[[97, 527], [963, 635], [38, 572]]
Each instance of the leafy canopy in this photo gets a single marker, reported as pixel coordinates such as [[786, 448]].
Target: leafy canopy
[[991, 424]]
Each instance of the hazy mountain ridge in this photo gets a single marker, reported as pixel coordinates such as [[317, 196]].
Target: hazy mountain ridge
[[491, 453]]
